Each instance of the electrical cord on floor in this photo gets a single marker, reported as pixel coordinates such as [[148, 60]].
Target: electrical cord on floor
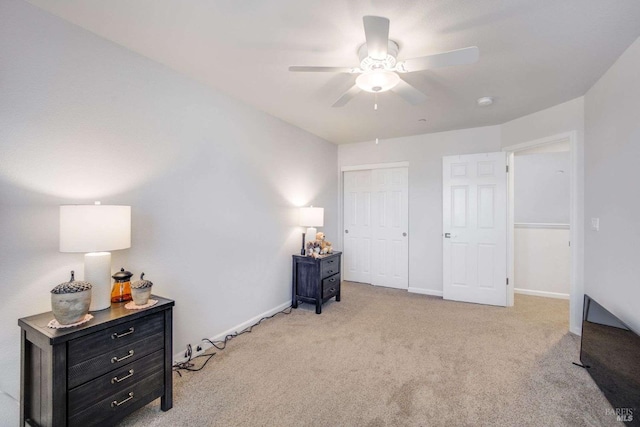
[[188, 364], [229, 337]]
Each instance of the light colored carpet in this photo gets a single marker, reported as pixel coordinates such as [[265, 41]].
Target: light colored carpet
[[384, 357]]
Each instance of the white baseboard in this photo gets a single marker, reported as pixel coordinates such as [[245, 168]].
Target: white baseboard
[[577, 331], [179, 357], [545, 294], [425, 291]]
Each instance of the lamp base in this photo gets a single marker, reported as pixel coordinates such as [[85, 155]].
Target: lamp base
[[302, 251], [97, 271]]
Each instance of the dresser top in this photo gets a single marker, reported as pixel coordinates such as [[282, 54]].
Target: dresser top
[[321, 257], [101, 319]]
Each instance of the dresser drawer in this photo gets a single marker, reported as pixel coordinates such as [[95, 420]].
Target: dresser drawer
[[331, 286], [115, 405], [87, 347], [114, 382], [112, 359], [329, 267]]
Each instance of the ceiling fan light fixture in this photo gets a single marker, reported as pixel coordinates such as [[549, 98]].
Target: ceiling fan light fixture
[[377, 81]]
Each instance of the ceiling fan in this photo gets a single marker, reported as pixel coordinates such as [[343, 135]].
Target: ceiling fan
[[379, 70]]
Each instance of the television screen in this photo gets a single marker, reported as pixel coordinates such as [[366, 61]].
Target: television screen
[[611, 353]]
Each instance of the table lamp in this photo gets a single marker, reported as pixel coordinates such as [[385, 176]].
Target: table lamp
[[311, 217], [95, 230]]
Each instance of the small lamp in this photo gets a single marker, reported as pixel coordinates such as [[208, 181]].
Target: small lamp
[[311, 217], [94, 230]]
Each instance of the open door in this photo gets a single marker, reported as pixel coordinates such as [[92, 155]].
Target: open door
[[474, 214]]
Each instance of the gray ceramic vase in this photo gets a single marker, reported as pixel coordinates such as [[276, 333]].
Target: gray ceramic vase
[[141, 291], [70, 301]]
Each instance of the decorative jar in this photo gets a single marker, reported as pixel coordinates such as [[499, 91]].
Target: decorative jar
[[70, 301], [141, 290], [121, 291]]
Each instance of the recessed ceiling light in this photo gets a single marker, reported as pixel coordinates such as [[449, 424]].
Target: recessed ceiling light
[[485, 101]]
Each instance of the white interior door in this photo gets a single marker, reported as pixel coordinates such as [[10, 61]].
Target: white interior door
[[357, 226], [474, 214], [376, 220], [390, 222]]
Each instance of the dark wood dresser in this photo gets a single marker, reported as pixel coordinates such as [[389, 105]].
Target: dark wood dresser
[[99, 372], [316, 280]]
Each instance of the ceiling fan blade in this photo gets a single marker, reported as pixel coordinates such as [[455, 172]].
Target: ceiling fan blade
[[313, 69], [346, 97], [409, 93], [468, 55], [376, 31]]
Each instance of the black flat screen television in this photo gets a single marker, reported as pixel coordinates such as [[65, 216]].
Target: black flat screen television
[[610, 351]]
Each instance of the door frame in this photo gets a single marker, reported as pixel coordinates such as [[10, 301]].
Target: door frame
[[575, 296], [372, 166]]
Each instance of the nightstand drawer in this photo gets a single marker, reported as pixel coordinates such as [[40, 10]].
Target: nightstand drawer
[[114, 382], [112, 359], [116, 404], [331, 286], [100, 342], [329, 267]]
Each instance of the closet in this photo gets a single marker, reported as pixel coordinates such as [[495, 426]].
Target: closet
[[376, 226]]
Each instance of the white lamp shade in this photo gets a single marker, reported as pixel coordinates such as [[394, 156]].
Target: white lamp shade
[[311, 217], [94, 228]]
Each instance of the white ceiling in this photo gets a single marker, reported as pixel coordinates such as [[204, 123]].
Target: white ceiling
[[533, 54]]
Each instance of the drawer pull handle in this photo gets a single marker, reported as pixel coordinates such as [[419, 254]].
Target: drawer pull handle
[[116, 335], [330, 262], [115, 380], [116, 403], [333, 280], [114, 359], [332, 290], [330, 271]]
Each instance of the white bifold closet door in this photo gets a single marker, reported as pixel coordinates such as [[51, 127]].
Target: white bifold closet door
[[376, 222]]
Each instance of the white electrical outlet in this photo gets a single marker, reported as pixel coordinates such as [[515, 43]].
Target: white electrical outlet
[[595, 224]]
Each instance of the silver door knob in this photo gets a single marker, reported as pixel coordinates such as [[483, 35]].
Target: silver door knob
[[346, 231], [404, 234]]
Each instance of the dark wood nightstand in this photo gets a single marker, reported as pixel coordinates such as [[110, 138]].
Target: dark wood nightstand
[[99, 372], [316, 280]]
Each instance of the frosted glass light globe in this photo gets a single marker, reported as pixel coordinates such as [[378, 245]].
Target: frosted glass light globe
[[377, 81]]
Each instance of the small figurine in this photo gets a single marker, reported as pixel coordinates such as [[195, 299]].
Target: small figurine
[[313, 249]]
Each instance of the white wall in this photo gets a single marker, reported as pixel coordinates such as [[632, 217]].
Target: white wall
[[424, 154], [212, 182], [542, 257], [542, 188], [542, 254], [612, 174], [551, 121]]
